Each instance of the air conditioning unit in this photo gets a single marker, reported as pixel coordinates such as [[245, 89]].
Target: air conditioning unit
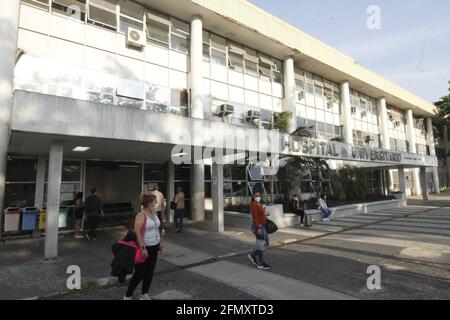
[[252, 115], [225, 110], [396, 123], [353, 109], [136, 38], [391, 117], [363, 113], [300, 95]]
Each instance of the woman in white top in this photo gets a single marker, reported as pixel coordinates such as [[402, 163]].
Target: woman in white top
[[326, 212], [149, 240]]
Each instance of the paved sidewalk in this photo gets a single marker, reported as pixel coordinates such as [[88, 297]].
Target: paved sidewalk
[[24, 273]]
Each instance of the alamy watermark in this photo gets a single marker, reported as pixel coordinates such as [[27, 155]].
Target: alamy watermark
[[374, 19], [374, 280], [74, 280]]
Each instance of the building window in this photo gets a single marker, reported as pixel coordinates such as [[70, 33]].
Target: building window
[[236, 57], [131, 15], [158, 27], [102, 13], [179, 36], [157, 98], [251, 62], [75, 9], [42, 4], [218, 50], [179, 100], [129, 102]]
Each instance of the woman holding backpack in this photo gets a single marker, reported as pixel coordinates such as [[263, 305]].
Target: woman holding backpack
[[146, 228]]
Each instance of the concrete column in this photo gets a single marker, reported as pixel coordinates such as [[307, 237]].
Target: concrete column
[[446, 149], [430, 142], [53, 200], [424, 182], [198, 192], [290, 101], [384, 128], [217, 197], [401, 180], [411, 137], [346, 116], [170, 192], [384, 133], [196, 74], [9, 25], [40, 182]]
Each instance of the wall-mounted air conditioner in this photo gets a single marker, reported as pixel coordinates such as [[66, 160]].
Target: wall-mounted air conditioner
[[252, 115], [329, 104], [353, 109], [396, 123], [300, 95], [225, 110], [136, 38]]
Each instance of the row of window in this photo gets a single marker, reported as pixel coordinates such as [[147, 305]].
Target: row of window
[[363, 138]]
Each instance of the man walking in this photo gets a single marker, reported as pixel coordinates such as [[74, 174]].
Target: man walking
[[160, 207], [92, 208]]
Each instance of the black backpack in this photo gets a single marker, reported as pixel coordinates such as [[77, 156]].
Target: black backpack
[[89, 205]]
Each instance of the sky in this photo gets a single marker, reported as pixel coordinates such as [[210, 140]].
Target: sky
[[411, 48]]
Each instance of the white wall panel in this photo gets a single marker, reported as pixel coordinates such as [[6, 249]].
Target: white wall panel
[[219, 90], [206, 69], [34, 19], [157, 55], [100, 60], [250, 82], [265, 87], [278, 105], [66, 51], [219, 73], [100, 38], [236, 95], [178, 61], [68, 29], [277, 90], [156, 75], [130, 69], [251, 98], [34, 44], [177, 79], [236, 78], [265, 102]]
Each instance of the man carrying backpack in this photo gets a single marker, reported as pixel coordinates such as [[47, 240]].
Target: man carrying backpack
[[92, 208]]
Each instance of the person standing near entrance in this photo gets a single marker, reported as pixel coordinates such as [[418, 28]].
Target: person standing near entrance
[[146, 228], [179, 209], [92, 208], [259, 230], [78, 212], [160, 207], [326, 212]]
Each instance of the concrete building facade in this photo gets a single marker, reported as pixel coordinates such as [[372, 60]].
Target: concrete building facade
[[100, 91]]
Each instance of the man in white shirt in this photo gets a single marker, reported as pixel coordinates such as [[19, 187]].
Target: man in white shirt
[[160, 207]]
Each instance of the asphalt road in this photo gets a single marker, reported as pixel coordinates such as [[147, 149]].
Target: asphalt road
[[410, 245]]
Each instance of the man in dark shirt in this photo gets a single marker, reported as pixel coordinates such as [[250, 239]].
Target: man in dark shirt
[[92, 208]]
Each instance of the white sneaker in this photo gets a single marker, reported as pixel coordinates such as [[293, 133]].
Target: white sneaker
[[324, 220], [127, 298], [145, 297]]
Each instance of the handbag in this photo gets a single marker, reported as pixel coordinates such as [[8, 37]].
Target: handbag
[[271, 227], [139, 259]]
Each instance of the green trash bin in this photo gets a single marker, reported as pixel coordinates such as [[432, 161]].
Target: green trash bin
[[63, 215]]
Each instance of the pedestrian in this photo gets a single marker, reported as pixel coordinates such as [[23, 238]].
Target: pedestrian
[[92, 208], [179, 209], [146, 228], [297, 208], [326, 212], [78, 212], [259, 230], [160, 207]]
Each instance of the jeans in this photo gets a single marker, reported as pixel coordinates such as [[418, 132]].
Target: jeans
[[179, 215], [144, 272], [92, 221], [326, 212], [161, 227], [258, 254]]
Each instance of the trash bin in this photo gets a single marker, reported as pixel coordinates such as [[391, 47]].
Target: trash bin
[[63, 214], [42, 218], [29, 217], [12, 219]]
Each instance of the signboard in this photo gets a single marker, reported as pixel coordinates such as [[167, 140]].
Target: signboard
[[310, 147]]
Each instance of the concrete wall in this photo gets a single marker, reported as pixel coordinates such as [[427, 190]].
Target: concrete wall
[[243, 220]]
